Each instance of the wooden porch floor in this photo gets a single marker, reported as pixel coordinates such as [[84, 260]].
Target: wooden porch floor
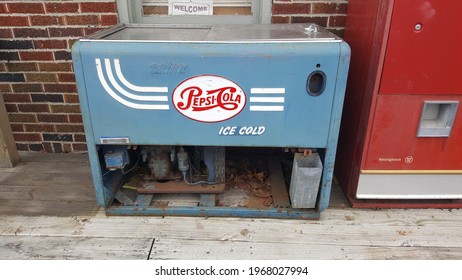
[[48, 211]]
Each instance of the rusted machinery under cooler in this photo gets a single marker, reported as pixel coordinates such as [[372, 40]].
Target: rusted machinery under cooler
[[400, 143], [162, 105]]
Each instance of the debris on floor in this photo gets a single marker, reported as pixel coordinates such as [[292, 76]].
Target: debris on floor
[[247, 184]]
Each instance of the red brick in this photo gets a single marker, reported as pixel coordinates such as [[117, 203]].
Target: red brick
[[99, 7], [71, 98], [50, 44], [36, 56], [62, 7], [337, 21], [41, 77], [52, 118], [16, 44], [329, 8], [322, 21], [17, 97], [26, 137], [39, 128], [13, 21], [12, 108], [36, 147], [66, 32], [22, 147], [82, 20], [22, 118], [57, 147], [79, 147], [22, 67], [285, 9], [30, 32], [71, 42], [47, 146], [55, 67], [2, 67], [69, 128], [23, 87], [280, 19], [46, 20], [3, 8], [8, 56], [79, 138], [47, 98], [17, 127], [65, 108], [67, 148], [60, 88], [26, 8], [66, 77], [6, 33], [75, 119], [63, 55], [38, 108], [109, 20], [5, 88]]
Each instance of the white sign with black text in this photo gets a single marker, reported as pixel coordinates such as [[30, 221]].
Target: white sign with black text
[[190, 7]]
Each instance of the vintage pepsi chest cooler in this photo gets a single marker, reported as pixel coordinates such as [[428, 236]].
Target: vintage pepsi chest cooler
[[163, 104], [401, 135]]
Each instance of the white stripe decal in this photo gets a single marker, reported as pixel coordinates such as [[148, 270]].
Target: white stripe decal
[[121, 100], [267, 90], [126, 93], [267, 99], [267, 108], [133, 87]]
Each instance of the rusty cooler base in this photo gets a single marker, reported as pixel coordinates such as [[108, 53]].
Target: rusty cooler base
[[250, 183], [215, 212]]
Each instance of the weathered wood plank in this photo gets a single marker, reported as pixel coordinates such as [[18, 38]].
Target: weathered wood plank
[[48, 157], [428, 234], [50, 167], [57, 247], [199, 249], [8, 153], [48, 193], [45, 179], [48, 207]]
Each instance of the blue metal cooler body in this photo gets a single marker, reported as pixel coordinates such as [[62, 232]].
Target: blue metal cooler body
[[248, 86]]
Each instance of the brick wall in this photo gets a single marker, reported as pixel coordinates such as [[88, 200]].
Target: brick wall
[[36, 75], [326, 13]]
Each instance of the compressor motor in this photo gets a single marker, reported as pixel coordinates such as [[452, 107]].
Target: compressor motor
[[165, 163]]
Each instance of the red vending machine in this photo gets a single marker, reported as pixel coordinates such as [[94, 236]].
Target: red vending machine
[[401, 137]]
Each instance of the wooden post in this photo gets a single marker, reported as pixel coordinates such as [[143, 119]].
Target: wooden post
[[8, 152]]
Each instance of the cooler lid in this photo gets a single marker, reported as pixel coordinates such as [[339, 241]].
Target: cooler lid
[[215, 33]]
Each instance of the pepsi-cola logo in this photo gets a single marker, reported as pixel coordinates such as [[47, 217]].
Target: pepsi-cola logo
[[208, 98]]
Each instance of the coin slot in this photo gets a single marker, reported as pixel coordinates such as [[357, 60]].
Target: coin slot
[[316, 83]]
